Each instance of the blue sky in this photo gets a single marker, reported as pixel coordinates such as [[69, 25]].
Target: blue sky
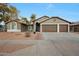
[[66, 11]]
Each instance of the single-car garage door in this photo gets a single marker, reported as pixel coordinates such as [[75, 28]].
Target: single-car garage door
[[49, 28], [63, 28]]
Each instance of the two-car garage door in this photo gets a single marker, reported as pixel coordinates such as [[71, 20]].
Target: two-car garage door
[[54, 28], [49, 28]]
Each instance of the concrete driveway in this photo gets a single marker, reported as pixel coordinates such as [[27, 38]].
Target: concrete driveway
[[52, 44], [60, 36]]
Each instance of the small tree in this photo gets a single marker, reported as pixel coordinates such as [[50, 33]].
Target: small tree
[[7, 11], [25, 19], [13, 12]]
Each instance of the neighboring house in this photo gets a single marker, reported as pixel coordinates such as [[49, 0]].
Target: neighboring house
[[16, 26], [53, 24], [74, 27]]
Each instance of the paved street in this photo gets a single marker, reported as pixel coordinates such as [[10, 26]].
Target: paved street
[[52, 44]]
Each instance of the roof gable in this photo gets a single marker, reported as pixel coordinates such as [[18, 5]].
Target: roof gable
[[15, 21], [42, 18], [55, 20]]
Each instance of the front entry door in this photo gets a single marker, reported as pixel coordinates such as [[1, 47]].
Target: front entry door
[[37, 27]]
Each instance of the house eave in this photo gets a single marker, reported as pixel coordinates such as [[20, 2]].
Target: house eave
[[58, 18]]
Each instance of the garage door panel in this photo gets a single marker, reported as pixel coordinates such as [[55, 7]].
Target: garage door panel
[[49, 28], [63, 28]]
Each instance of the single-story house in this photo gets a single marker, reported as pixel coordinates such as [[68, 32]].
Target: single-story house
[[16, 26], [42, 24], [53, 24]]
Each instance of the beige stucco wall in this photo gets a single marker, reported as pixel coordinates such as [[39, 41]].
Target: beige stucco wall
[[42, 19], [54, 20], [9, 27]]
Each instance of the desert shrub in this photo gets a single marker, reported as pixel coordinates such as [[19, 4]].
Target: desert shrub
[[27, 34]]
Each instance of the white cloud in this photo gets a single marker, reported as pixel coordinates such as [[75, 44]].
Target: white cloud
[[49, 6]]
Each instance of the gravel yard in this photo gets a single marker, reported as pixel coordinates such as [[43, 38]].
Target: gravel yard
[[18, 36]]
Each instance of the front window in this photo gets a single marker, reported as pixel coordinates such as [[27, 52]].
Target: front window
[[14, 25]]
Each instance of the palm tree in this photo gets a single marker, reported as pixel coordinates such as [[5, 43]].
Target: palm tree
[[33, 17]]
